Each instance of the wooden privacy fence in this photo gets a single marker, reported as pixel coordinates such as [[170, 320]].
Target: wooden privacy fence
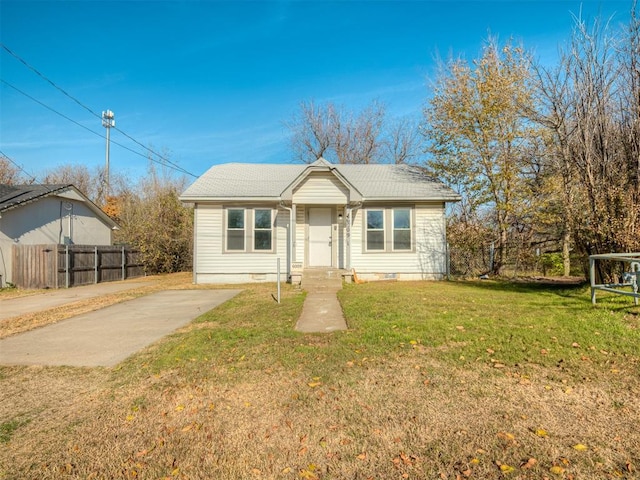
[[64, 266]]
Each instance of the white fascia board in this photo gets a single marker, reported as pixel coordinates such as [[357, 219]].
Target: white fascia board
[[207, 199]]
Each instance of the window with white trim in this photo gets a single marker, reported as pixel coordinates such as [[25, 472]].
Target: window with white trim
[[262, 229], [375, 230], [235, 229], [401, 229]]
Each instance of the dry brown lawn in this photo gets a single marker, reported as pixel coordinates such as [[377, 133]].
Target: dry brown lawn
[[238, 395]]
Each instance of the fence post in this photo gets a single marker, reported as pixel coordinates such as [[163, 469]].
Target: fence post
[[67, 279], [123, 264], [448, 260], [95, 264]]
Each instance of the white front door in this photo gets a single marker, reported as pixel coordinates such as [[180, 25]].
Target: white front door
[[320, 237]]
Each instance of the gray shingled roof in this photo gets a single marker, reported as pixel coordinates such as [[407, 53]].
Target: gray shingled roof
[[268, 181], [14, 195]]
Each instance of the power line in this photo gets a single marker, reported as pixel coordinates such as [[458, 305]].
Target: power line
[[166, 161], [51, 82], [172, 166], [19, 167]]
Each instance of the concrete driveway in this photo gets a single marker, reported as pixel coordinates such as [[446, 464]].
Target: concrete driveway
[[14, 307], [107, 336]]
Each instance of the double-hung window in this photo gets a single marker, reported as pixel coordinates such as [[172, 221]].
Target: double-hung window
[[402, 229], [235, 229], [262, 233], [375, 230]]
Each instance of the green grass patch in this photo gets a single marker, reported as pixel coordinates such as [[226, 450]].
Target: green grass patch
[[496, 322], [8, 428]]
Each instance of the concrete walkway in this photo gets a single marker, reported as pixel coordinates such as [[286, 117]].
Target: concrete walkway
[[107, 336], [321, 312], [14, 307]]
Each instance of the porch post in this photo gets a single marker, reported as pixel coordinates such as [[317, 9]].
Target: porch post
[[292, 233]]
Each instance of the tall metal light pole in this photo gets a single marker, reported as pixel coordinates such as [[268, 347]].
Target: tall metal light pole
[[108, 121]]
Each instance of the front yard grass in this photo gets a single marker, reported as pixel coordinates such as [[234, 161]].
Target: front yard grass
[[447, 380]]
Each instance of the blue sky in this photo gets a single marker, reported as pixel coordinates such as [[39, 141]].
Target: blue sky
[[208, 82]]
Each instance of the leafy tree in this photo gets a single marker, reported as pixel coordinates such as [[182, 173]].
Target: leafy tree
[[480, 141], [152, 219]]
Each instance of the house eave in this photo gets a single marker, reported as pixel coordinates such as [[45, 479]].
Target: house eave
[[210, 199], [409, 199]]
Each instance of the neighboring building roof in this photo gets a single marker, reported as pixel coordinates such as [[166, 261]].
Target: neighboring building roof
[[13, 196], [269, 181]]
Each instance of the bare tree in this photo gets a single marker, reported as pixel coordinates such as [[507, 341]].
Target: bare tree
[[342, 136], [88, 182], [403, 142], [552, 110], [357, 139], [590, 107], [604, 144], [312, 129], [9, 173]]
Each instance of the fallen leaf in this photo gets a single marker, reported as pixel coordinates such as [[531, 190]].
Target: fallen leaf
[[504, 468], [362, 456], [529, 463], [506, 436], [314, 384], [541, 432], [556, 470], [580, 447]]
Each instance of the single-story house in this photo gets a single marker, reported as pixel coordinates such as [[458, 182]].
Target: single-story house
[[48, 214], [380, 221]]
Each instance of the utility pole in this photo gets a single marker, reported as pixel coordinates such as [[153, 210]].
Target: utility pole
[[108, 121]]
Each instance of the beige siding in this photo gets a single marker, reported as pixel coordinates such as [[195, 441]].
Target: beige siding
[[213, 265], [47, 221], [428, 259], [321, 189]]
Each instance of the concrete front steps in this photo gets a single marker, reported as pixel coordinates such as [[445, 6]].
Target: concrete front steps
[[314, 279]]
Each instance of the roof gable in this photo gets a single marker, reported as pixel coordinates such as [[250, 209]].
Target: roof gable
[[321, 166]]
